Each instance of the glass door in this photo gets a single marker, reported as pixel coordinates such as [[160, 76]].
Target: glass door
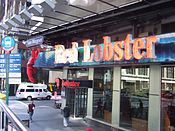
[[76, 98], [81, 102], [70, 98]]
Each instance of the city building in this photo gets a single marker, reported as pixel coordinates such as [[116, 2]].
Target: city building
[[125, 48]]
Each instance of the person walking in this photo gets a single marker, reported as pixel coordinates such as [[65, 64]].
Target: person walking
[[66, 115], [31, 108]]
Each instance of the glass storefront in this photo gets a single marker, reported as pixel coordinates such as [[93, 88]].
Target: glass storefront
[[168, 99], [102, 94], [79, 74], [134, 98]]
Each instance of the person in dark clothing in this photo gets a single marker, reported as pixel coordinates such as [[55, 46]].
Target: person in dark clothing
[[66, 115], [140, 108], [99, 108], [31, 108], [171, 113]]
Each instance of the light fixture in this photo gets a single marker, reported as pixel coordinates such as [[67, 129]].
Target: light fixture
[[25, 14], [17, 19], [47, 4], [35, 27], [10, 23], [81, 2], [37, 18], [35, 9], [3, 26]]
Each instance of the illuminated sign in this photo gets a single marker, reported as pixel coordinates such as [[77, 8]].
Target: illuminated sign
[[63, 55], [8, 43], [121, 50], [75, 83], [71, 84]]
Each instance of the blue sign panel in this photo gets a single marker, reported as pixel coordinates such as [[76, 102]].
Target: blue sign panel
[[8, 43], [2, 66], [14, 65], [35, 41], [45, 59]]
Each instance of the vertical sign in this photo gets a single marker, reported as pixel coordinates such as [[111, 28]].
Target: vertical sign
[[8, 44]]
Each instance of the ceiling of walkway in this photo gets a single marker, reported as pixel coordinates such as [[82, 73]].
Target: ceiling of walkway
[[70, 19], [66, 14]]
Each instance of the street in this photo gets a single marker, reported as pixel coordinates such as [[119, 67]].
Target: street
[[46, 117]]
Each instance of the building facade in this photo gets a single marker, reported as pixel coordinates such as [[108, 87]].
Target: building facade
[[128, 53]]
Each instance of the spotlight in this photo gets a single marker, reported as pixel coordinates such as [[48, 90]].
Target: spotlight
[[47, 4], [35, 9], [3, 26], [25, 14], [10, 23], [17, 19]]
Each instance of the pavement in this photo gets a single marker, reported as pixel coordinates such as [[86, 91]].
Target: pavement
[[48, 118], [54, 122]]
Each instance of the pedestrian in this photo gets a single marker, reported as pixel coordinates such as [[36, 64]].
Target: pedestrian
[[31, 108], [66, 115], [99, 110], [140, 109]]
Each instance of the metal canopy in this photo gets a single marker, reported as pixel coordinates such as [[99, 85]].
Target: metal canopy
[[63, 17], [64, 14]]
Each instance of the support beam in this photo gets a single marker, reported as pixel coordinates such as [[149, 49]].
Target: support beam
[[56, 18], [154, 113], [84, 9], [108, 3], [67, 14]]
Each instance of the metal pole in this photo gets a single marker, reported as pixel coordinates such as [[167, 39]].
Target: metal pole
[[7, 79], [7, 87]]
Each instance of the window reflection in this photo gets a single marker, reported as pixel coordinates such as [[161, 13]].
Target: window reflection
[[134, 99], [170, 72], [102, 95], [168, 99], [81, 74]]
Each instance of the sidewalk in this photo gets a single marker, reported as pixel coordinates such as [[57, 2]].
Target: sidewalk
[[48, 118], [55, 123]]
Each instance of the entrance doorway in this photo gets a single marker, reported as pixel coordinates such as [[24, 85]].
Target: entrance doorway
[[76, 99]]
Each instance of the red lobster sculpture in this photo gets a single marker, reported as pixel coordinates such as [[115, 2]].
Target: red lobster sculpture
[[31, 71]]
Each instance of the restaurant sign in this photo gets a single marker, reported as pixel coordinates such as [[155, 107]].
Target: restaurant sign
[[74, 83], [159, 48]]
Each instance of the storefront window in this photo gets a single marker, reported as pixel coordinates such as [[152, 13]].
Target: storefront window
[[170, 72], [168, 100], [23, 53], [130, 71], [162, 72], [134, 99], [102, 95], [80, 74], [142, 71]]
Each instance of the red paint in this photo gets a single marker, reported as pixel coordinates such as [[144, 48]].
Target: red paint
[[68, 83], [31, 71]]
